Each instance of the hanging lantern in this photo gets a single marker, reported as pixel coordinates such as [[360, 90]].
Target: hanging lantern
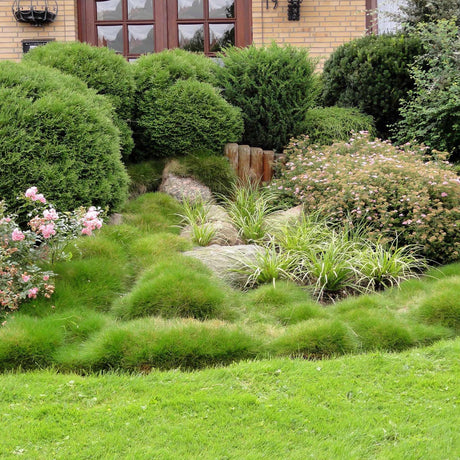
[[35, 12]]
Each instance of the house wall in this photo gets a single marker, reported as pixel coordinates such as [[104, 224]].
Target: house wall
[[13, 33], [323, 24]]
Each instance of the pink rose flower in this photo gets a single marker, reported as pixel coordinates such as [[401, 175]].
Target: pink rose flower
[[86, 231], [33, 293], [47, 230], [50, 214], [46, 278], [25, 277], [31, 192], [17, 235]]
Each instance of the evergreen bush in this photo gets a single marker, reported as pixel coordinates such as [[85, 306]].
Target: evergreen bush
[[102, 70], [371, 74], [187, 117], [324, 125], [273, 86], [59, 136]]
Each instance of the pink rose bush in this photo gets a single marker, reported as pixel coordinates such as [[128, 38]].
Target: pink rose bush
[[25, 253]]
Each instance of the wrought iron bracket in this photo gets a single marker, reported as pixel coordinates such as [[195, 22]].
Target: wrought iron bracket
[[294, 10]]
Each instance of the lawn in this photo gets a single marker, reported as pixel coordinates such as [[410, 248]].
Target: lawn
[[374, 406]]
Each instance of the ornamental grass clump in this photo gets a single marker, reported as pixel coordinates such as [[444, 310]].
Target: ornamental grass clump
[[395, 191]]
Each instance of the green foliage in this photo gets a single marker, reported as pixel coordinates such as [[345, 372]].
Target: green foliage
[[325, 125], [173, 290], [188, 116], [27, 342], [273, 86], [413, 12], [394, 191], [442, 306], [57, 135], [102, 70], [314, 339], [371, 74], [431, 111], [152, 343], [145, 176]]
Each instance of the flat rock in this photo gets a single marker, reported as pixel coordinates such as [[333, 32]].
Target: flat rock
[[281, 218], [182, 188], [224, 260]]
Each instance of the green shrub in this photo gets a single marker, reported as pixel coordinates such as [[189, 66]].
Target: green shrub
[[412, 12], [394, 191], [431, 111], [173, 290], [325, 125], [372, 74], [29, 343], [442, 306], [187, 117], [102, 70], [152, 343], [314, 339], [273, 86], [57, 135]]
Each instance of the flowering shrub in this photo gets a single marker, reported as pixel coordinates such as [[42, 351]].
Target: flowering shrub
[[392, 189], [25, 253]]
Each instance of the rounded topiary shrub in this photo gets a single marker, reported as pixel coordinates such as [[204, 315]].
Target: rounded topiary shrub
[[372, 74], [189, 116], [57, 135], [394, 191], [325, 125], [273, 86], [102, 70]]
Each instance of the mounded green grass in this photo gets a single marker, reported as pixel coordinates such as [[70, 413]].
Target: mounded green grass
[[375, 406], [135, 270]]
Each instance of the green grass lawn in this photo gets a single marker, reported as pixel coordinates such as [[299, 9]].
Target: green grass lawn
[[375, 406]]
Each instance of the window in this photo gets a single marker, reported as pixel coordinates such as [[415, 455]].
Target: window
[[135, 27]]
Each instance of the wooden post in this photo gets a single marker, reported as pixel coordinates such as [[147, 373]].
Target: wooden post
[[231, 152], [244, 161], [268, 161], [257, 164]]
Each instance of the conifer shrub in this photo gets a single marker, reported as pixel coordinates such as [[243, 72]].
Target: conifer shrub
[[395, 192], [324, 125], [187, 117], [59, 136], [101, 69], [371, 74], [273, 86]]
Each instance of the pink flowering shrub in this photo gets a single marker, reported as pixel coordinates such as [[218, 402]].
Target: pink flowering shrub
[[395, 191], [25, 253]]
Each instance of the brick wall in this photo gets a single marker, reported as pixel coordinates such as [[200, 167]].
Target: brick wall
[[12, 33], [323, 24]]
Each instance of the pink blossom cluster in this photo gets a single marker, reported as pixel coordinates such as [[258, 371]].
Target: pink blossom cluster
[[34, 196], [91, 221]]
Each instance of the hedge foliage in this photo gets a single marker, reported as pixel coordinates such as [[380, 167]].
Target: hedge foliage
[[189, 116], [178, 109], [372, 74], [273, 86], [394, 191], [58, 135], [102, 70], [324, 125]]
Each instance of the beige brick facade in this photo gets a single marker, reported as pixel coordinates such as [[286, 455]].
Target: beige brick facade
[[13, 33], [323, 25]]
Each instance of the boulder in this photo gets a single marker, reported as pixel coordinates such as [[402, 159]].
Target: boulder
[[281, 218], [182, 188], [224, 261]]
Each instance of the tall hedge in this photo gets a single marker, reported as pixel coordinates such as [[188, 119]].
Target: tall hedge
[[273, 86], [371, 74], [58, 135], [102, 70]]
